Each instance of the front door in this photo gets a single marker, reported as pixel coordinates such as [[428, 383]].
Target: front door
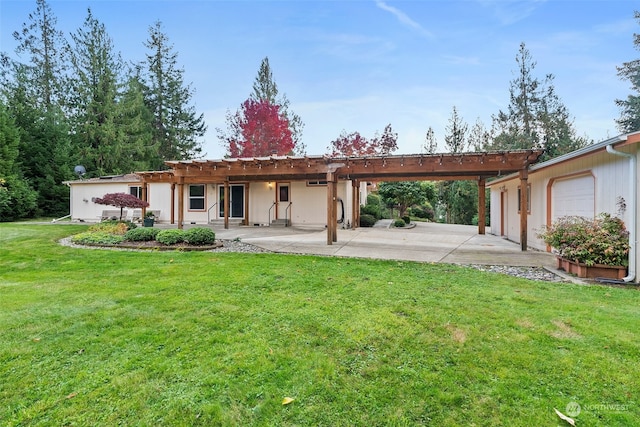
[[236, 201], [284, 200]]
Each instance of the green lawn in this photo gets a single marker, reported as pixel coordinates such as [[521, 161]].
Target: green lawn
[[97, 337]]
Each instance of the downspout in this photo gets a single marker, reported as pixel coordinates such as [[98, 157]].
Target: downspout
[[633, 188]]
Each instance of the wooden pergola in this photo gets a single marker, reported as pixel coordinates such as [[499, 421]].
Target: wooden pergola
[[414, 167]]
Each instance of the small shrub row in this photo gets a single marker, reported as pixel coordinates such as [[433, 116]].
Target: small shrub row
[[97, 238], [194, 236], [141, 234]]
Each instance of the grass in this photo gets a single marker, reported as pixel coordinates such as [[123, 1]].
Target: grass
[[96, 337]]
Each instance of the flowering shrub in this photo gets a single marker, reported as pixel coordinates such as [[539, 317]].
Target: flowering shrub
[[603, 240]]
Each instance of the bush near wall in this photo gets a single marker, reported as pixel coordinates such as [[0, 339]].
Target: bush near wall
[[367, 220]]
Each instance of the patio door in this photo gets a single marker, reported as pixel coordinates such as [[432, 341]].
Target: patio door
[[236, 201]]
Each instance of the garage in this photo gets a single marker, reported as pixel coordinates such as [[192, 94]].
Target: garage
[[573, 196]]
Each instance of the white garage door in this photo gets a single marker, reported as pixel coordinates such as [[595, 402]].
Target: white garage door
[[573, 196]]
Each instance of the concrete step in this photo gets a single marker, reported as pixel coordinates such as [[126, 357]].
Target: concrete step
[[280, 223]]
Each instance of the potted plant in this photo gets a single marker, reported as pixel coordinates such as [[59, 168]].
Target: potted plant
[[149, 218], [590, 248]]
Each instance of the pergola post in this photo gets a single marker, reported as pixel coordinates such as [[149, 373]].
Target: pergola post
[[226, 204], [482, 214], [331, 208], [524, 176], [144, 197], [246, 203], [180, 202], [173, 203], [355, 203]]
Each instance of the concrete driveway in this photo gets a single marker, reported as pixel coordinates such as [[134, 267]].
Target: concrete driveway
[[426, 242]]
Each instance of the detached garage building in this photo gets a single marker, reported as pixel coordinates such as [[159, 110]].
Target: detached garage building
[[595, 179]]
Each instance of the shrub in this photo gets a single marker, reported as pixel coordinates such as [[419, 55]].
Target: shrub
[[603, 240], [399, 223], [406, 219], [97, 238], [112, 227], [200, 236], [143, 234], [373, 210], [423, 212], [367, 220], [170, 237]]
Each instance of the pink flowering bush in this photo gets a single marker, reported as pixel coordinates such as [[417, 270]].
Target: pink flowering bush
[[602, 240]]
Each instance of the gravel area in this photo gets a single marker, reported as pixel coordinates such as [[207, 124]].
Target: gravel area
[[531, 273]]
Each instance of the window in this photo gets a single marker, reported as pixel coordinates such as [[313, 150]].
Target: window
[[316, 183], [528, 198], [196, 197], [284, 193], [136, 191]]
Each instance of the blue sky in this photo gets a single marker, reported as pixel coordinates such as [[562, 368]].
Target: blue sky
[[357, 65]]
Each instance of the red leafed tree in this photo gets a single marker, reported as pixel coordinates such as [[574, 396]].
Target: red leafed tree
[[356, 145], [121, 200], [258, 129]]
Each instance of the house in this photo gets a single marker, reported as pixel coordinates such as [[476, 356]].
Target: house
[[299, 191], [300, 203], [599, 178]]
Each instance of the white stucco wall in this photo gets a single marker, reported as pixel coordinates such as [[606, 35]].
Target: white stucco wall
[[81, 194]]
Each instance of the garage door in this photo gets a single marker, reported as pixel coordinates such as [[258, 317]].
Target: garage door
[[573, 196]]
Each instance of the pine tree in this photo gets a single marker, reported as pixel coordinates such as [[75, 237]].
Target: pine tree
[[266, 89], [456, 138], [177, 128], [46, 65], [479, 136], [430, 143], [35, 100], [17, 199], [629, 120], [536, 117], [96, 83]]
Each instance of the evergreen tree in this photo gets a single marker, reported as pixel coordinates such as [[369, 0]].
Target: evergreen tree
[[430, 144], [46, 65], [535, 118], [97, 72], [17, 199], [266, 89], [479, 136], [176, 126], [456, 138], [629, 120], [34, 96]]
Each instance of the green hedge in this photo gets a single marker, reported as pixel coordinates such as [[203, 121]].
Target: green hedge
[[170, 237], [142, 234], [200, 236]]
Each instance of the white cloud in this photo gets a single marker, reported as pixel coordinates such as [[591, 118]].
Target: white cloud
[[404, 18]]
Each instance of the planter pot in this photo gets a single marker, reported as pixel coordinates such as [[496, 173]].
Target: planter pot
[[148, 222], [592, 271]]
